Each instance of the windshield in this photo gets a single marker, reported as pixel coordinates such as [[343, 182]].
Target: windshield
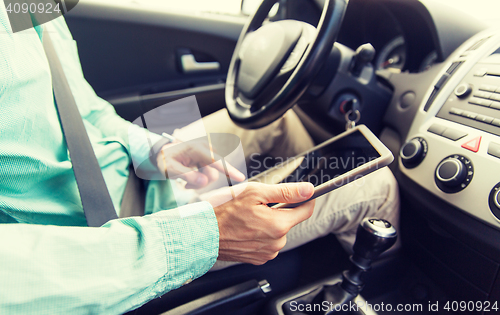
[[484, 10]]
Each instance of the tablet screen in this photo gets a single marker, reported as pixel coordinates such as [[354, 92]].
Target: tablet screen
[[333, 160]]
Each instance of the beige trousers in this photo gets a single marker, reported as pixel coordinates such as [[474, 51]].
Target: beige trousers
[[338, 212]]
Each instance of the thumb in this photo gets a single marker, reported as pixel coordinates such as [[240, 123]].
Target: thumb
[[288, 193]]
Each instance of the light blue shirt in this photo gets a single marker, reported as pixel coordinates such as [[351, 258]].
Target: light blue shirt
[[50, 263]]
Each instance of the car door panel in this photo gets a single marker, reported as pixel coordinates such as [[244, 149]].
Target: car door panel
[[131, 55]]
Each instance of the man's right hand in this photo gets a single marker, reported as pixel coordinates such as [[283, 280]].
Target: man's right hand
[[252, 232]]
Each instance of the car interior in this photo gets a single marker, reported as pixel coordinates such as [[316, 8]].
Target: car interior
[[423, 76]]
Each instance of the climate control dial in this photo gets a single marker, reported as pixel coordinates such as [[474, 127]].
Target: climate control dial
[[454, 173], [413, 152]]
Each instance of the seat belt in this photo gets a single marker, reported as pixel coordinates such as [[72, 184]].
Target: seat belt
[[96, 201]]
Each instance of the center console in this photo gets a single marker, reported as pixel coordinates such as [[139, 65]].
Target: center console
[[450, 165], [456, 132]]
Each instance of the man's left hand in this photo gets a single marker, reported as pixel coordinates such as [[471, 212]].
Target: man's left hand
[[194, 162]]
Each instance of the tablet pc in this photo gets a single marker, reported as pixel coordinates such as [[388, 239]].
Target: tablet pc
[[332, 164]]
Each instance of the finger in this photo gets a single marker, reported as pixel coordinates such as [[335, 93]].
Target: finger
[[230, 170], [194, 178], [211, 173], [287, 193], [203, 157], [293, 216]]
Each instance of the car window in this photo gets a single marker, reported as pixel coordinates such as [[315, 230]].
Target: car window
[[231, 7], [226, 7], [484, 10]]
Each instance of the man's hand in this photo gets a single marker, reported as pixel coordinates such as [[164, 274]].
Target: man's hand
[[193, 162], [252, 232]]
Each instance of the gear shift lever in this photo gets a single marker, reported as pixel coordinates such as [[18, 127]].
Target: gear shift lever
[[373, 237]]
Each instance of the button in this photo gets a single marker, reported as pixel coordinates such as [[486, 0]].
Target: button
[[480, 102], [469, 115], [495, 97], [482, 94], [472, 145], [485, 119], [496, 122], [494, 149], [442, 81], [463, 90], [453, 134], [188, 281], [480, 72], [495, 105], [437, 129], [488, 88], [497, 90], [456, 111]]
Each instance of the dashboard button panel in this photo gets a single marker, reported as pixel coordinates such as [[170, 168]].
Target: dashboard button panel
[[480, 108]]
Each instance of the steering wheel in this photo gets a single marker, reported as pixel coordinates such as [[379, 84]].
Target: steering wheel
[[273, 64]]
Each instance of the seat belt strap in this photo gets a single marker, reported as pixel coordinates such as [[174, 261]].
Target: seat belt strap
[[96, 201]]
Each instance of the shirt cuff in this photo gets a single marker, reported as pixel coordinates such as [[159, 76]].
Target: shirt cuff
[[191, 236], [143, 144]]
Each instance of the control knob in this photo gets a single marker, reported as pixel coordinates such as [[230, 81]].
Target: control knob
[[451, 172], [454, 173], [413, 152], [463, 90]]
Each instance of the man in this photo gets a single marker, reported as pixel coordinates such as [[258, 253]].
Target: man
[[52, 263]]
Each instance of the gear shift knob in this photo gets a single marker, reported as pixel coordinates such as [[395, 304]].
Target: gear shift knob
[[374, 236]]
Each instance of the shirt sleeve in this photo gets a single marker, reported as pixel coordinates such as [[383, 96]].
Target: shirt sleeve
[[138, 141], [106, 270]]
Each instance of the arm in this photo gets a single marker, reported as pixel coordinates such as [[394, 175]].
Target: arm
[[106, 270], [99, 116]]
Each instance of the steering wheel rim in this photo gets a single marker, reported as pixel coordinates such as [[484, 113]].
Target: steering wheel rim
[[301, 76]]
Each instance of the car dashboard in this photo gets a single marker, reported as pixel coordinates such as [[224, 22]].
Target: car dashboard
[[443, 123], [460, 121]]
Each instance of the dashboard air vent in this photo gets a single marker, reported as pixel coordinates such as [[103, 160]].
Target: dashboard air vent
[[442, 81], [478, 44], [454, 66]]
